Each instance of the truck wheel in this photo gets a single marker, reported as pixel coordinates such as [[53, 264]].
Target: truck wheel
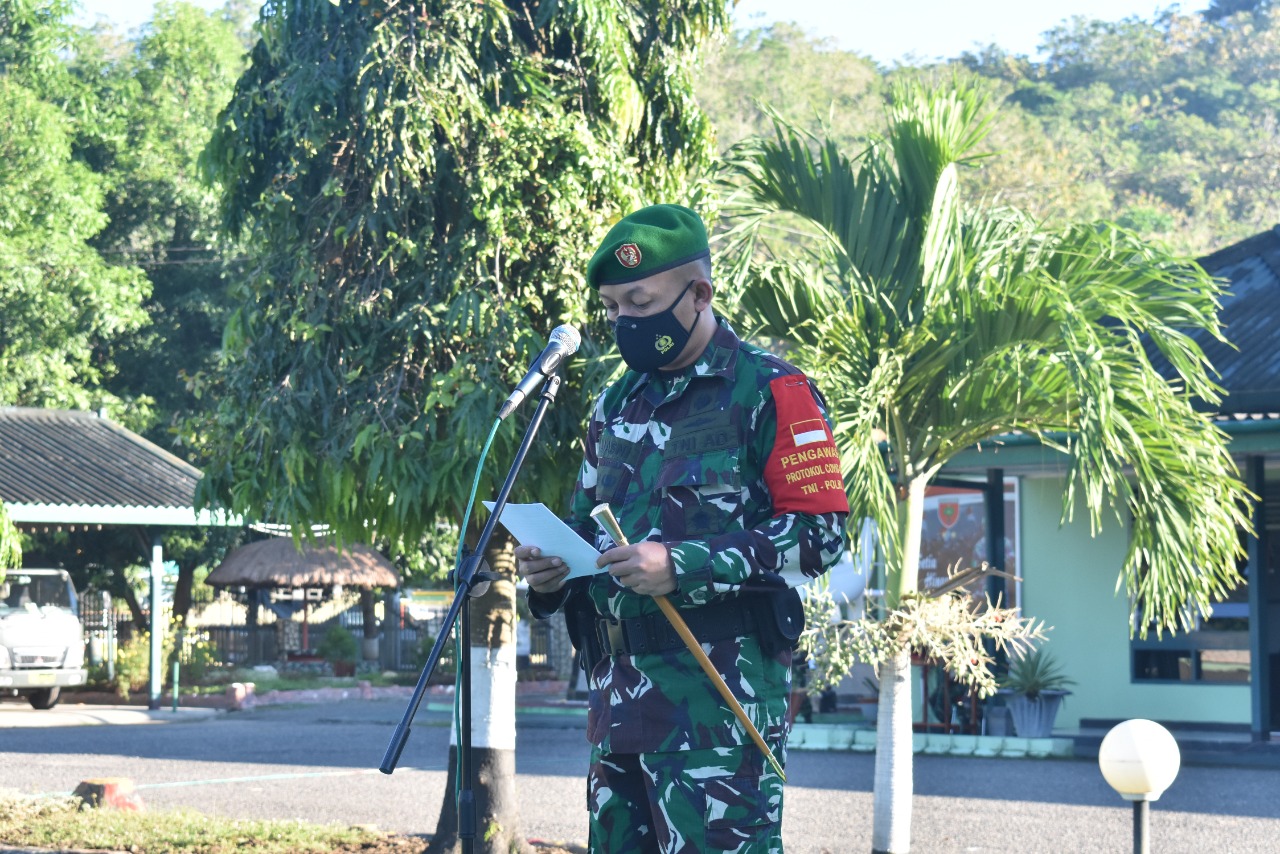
[[45, 698]]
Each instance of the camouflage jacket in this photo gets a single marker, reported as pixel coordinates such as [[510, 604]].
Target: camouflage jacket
[[731, 464]]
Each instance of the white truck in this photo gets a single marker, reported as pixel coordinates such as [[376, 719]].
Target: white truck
[[41, 639]]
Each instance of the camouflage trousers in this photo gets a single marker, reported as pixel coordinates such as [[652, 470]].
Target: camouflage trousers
[[684, 802]]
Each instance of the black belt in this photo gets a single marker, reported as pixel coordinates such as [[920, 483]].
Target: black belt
[[654, 633]]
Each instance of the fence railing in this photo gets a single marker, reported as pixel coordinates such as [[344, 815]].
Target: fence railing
[[403, 642]]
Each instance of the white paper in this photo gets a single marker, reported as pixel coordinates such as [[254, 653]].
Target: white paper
[[535, 525]]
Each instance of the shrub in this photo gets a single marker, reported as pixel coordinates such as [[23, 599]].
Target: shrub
[[133, 662], [337, 645], [199, 655]]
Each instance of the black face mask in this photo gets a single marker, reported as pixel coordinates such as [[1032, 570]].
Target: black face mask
[[649, 343]]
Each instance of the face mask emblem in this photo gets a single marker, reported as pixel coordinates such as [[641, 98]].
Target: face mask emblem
[[652, 342]]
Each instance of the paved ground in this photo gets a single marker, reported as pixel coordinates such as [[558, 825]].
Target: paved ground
[[19, 715], [318, 762]]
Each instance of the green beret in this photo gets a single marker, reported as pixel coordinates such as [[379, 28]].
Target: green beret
[[649, 241]]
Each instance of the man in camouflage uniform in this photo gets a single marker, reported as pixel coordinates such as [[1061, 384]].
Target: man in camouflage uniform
[[718, 461]]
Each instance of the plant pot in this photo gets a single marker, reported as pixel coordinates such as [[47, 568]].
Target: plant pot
[[1034, 717], [344, 668], [996, 721]]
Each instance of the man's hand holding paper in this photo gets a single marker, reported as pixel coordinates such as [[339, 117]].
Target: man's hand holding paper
[[543, 574], [550, 552]]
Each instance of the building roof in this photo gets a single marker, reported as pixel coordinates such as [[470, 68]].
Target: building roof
[[1250, 364], [76, 467], [277, 562]]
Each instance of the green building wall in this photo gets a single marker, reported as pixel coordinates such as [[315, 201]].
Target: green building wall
[[1069, 582]]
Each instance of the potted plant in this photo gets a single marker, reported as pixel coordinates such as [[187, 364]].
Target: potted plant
[[1034, 689], [340, 648]]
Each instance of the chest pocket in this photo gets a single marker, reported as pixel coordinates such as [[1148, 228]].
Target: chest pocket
[[702, 495], [616, 466]]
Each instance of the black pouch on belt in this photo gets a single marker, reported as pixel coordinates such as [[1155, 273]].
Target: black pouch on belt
[[780, 617]]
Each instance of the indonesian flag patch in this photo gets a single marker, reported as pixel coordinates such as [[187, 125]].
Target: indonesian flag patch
[[808, 432], [803, 471]]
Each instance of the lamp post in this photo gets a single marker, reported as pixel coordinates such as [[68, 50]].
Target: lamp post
[[1139, 758]]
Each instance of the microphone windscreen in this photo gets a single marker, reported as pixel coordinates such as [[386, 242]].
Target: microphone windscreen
[[568, 337]]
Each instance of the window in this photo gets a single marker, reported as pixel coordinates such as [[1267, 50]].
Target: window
[[1216, 650]]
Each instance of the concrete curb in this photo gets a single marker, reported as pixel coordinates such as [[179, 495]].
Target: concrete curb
[[860, 740], [241, 696]]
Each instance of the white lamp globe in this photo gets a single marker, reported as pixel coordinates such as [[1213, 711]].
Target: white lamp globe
[[1139, 758]]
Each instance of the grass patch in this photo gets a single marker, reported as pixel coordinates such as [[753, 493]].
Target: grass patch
[[45, 822]]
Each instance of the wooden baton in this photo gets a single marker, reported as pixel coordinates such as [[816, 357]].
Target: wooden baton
[[605, 519]]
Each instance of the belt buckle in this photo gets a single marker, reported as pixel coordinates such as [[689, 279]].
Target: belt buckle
[[615, 637]]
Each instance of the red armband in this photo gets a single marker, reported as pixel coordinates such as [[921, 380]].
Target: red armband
[[803, 470]]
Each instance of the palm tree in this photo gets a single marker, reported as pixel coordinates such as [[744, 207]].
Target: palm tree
[[935, 324]]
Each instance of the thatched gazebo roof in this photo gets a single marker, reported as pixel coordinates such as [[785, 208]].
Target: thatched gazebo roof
[[276, 562]]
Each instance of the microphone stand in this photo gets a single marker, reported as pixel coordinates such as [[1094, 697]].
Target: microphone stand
[[471, 582]]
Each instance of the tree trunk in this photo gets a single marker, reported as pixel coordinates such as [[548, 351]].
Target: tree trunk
[[182, 592], [367, 614], [891, 798], [911, 521], [891, 808], [493, 715], [179, 611], [178, 618], [119, 586]]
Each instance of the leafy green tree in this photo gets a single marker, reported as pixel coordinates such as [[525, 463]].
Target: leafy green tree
[[33, 34], [809, 82], [1023, 161], [60, 302], [156, 101], [105, 178], [1175, 117], [817, 87], [937, 324], [418, 186], [10, 543], [159, 101]]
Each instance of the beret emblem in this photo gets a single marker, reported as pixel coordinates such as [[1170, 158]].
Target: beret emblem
[[628, 255]]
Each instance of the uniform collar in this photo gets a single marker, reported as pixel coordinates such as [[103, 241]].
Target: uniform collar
[[717, 360]]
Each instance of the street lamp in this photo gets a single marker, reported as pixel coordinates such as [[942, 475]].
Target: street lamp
[[1139, 758]]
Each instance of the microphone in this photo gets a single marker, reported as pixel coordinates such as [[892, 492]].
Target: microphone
[[563, 343]]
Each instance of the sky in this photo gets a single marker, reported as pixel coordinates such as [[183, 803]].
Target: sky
[[888, 32]]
